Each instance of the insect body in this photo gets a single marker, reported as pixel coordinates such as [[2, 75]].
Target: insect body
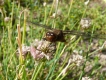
[[55, 35]]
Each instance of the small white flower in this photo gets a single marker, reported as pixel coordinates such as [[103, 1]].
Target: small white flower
[[53, 15], [44, 4], [86, 3], [85, 22], [25, 50], [86, 78], [77, 59], [6, 19]]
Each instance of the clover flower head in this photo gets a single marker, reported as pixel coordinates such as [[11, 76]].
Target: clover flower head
[[85, 22], [41, 49], [77, 59]]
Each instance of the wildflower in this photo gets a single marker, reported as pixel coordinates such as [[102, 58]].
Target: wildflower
[[44, 4], [86, 3], [6, 19], [38, 54], [85, 22], [25, 50], [41, 49], [77, 59], [86, 78], [53, 15], [45, 46]]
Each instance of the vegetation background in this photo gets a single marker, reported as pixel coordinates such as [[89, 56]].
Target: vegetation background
[[81, 58]]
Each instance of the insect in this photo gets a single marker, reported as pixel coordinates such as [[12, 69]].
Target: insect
[[54, 35], [59, 35]]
